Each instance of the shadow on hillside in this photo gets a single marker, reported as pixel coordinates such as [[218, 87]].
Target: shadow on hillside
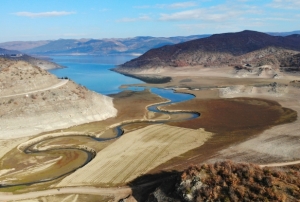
[[144, 185]]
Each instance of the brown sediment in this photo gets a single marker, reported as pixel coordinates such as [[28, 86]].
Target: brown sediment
[[130, 105], [136, 153], [60, 147], [232, 120], [30, 169], [60, 155]]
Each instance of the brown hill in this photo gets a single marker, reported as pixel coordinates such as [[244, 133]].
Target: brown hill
[[228, 181], [22, 45], [219, 50], [16, 55], [32, 101], [292, 61]]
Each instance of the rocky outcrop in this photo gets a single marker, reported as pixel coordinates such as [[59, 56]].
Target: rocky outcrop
[[228, 181], [291, 63], [227, 49], [32, 101]]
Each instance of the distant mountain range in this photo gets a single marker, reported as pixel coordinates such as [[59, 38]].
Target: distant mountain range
[[137, 45], [5, 51], [283, 33], [229, 49]]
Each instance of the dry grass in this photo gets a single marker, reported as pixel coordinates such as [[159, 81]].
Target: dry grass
[[136, 153]]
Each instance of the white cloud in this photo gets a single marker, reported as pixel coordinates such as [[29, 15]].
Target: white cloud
[[280, 19], [186, 4], [200, 14], [104, 10], [142, 7], [140, 18], [43, 14], [227, 26], [286, 4], [179, 5], [217, 13]]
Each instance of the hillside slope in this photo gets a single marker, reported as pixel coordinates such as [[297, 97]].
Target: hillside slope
[[22, 45], [227, 49], [228, 181], [16, 55], [32, 100]]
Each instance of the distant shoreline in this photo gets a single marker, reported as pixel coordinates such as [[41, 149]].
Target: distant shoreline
[[83, 54]]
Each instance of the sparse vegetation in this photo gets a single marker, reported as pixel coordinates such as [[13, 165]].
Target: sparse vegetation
[[228, 181]]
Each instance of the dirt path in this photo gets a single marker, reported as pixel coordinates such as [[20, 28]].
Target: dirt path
[[280, 164], [118, 193], [61, 83]]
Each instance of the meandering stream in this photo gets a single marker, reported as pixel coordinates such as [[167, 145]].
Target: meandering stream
[[38, 147], [94, 73]]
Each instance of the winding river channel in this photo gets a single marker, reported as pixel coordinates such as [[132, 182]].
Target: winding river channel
[[94, 73], [41, 147]]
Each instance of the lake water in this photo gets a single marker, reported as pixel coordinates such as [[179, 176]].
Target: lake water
[[93, 72]]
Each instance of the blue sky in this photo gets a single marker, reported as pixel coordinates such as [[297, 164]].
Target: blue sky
[[30, 20]]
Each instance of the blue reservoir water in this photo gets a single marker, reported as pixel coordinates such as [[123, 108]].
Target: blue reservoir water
[[173, 97], [169, 94], [93, 72]]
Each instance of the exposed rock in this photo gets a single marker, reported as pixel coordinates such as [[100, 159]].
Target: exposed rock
[[159, 196], [228, 181], [291, 63]]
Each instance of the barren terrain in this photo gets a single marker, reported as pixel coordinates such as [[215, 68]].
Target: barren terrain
[[136, 153], [212, 85], [32, 101], [246, 116]]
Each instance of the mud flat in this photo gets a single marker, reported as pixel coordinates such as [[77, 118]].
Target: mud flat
[[249, 114], [65, 149], [277, 144], [135, 154], [131, 106]]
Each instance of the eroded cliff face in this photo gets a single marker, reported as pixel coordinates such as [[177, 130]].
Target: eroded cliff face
[[33, 100]]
